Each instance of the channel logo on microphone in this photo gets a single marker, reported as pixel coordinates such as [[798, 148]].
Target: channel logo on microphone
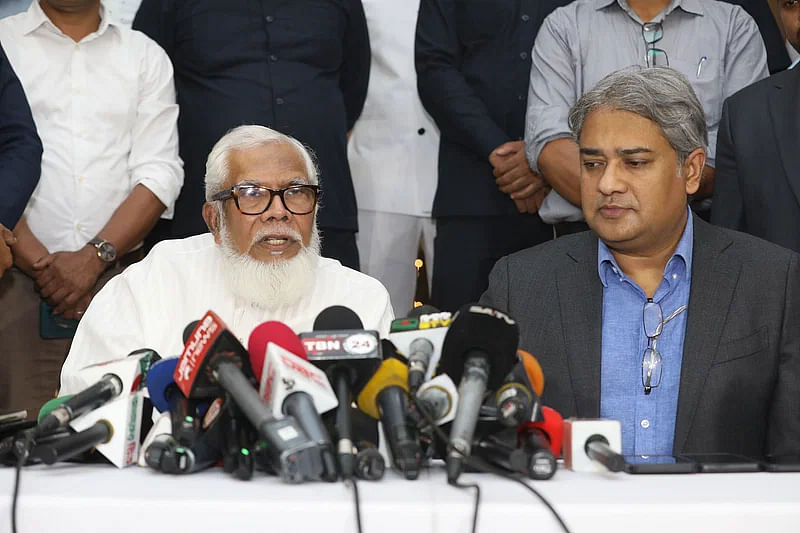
[[427, 321], [344, 342]]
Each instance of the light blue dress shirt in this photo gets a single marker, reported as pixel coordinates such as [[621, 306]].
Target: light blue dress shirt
[[648, 421]]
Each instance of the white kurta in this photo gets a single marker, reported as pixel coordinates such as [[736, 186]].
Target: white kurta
[[150, 303]]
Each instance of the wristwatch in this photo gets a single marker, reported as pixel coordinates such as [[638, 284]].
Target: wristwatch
[[106, 251]]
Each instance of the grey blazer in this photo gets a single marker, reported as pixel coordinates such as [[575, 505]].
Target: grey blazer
[[740, 376]]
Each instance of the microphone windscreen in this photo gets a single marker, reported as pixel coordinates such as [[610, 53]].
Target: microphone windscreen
[[337, 317], [276, 333], [552, 426], [478, 328], [187, 331], [49, 405], [161, 376], [391, 373], [422, 310], [533, 370]]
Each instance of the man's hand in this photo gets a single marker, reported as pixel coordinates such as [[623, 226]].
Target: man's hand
[[76, 311], [532, 203], [65, 278], [6, 240], [513, 176]]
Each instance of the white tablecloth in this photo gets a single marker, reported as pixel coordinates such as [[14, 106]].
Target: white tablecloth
[[76, 498]]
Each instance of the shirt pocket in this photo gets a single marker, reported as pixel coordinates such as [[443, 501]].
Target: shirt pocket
[[705, 77], [741, 348]]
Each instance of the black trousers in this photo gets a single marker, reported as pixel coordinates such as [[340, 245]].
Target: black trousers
[[340, 244], [466, 249]]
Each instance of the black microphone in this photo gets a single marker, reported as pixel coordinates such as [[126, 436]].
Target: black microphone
[[369, 464], [109, 387], [349, 355], [68, 447], [479, 349]]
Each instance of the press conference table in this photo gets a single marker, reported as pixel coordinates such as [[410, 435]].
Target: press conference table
[[86, 498]]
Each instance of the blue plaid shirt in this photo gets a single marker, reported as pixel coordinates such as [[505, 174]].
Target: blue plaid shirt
[[648, 421]]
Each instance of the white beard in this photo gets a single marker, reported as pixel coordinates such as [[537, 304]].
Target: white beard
[[272, 284]]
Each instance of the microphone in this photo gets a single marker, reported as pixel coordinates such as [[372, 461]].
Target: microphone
[[420, 335], [480, 348], [213, 361], [439, 398], [349, 356], [89, 399], [385, 397], [369, 463], [593, 445], [550, 428], [184, 414], [518, 398], [290, 385], [68, 447]]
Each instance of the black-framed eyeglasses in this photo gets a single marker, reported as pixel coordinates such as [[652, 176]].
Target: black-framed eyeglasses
[[652, 362], [652, 32], [255, 199]]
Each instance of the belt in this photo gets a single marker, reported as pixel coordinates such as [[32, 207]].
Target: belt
[[567, 228]]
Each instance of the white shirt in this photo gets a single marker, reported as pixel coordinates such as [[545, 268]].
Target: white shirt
[[151, 302], [394, 148], [106, 113]]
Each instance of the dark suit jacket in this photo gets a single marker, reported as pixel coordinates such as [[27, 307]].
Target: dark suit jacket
[[473, 68], [20, 147], [740, 377], [298, 66], [757, 186]]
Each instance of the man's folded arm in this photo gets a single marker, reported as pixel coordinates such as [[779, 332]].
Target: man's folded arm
[[552, 91]]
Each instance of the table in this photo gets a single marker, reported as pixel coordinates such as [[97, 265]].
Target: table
[[69, 498]]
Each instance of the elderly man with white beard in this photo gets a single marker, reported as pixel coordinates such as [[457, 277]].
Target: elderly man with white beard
[[261, 262]]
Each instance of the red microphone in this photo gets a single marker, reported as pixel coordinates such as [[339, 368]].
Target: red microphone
[[277, 333], [551, 429], [213, 360], [290, 385]]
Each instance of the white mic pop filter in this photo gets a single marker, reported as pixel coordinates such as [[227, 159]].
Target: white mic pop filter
[[440, 394], [285, 373]]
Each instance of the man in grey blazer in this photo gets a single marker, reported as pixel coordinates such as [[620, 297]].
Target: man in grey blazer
[[689, 334]]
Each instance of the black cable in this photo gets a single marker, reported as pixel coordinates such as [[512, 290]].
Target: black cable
[[483, 466], [358, 503], [23, 456], [477, 500]]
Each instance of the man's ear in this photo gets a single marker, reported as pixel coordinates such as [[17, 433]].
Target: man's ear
[[693, 170], [211, 216]]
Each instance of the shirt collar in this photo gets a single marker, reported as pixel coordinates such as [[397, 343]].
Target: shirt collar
[[34, 18], [690, 6], [794, 63], [683, 253]]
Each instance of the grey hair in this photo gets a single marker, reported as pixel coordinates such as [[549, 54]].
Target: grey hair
[[660, 94], [243, 138]]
